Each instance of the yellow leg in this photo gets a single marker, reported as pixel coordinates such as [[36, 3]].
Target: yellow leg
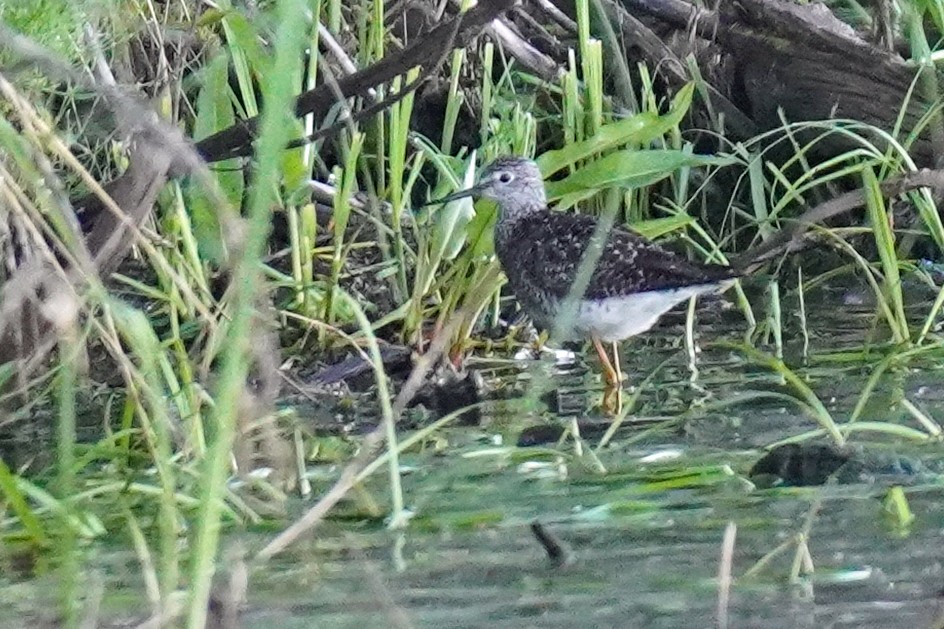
[[616, 363], [612, 400], [610, 374]]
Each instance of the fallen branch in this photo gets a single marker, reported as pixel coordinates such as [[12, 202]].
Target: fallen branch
[[790, 240], [236, 141]]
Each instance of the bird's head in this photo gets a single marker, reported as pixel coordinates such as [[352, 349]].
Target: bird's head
[[513, 182]]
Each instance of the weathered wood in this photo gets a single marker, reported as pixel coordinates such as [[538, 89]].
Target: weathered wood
[[425, 52], [812, 68], [802, 61]]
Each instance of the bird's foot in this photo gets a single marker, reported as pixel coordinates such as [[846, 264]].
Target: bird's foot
[[612, 403], [539, 341]]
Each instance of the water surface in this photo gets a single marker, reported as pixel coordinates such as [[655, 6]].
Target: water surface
[[646, 535]]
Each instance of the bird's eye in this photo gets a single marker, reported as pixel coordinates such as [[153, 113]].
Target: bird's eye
[[505, 177]]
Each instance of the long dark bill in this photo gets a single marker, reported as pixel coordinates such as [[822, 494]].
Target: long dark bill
[[461, 194]]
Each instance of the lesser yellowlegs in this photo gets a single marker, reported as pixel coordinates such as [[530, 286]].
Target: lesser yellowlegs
[[633, 283]]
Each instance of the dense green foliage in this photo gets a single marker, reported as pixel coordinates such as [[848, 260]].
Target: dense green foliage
[[360, 261]]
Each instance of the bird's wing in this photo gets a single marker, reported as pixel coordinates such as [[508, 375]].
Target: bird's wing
[[551, 252], [630, 263]]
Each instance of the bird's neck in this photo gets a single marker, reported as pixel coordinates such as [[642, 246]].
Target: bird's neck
[[512, 211], [510, 227]]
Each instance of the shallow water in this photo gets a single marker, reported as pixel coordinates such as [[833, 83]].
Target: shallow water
[[644, 570], [646, 536]]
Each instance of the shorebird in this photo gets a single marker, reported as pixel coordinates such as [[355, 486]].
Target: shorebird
[[633, 283]]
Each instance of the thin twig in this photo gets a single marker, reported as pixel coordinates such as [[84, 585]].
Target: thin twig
[[724, 574]]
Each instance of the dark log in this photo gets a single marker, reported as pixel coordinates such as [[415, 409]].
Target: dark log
[[798, 59], [425, 52], [801, 59]]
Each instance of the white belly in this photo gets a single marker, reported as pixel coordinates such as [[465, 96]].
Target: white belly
[[618, 318]]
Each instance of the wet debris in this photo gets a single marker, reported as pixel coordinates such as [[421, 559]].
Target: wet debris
[[544, 434], [445, 391], [451, 392], [557, 552], [228, 598], [540, 435], [802, 465], [396, 359], [797, 465]]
